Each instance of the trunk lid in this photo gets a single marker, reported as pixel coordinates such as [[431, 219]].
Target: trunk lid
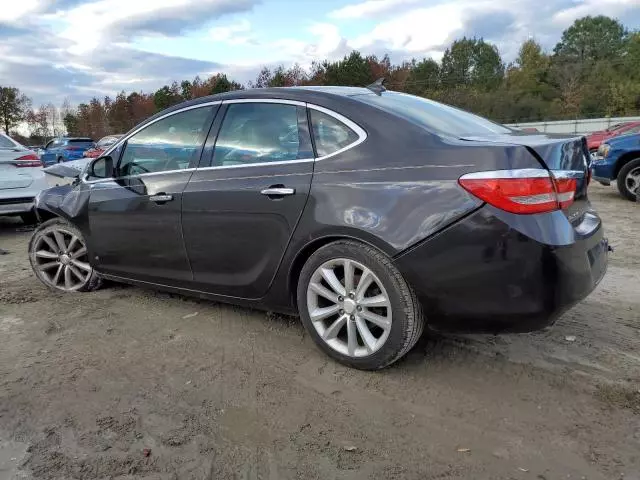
[[563, 156], [10, 176]]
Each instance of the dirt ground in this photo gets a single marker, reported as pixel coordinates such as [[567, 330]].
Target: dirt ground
[[126, 383]]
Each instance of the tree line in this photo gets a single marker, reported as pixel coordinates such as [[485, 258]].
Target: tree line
[[593, 71]]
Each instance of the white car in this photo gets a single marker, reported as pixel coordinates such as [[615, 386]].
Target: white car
[[21, 179]]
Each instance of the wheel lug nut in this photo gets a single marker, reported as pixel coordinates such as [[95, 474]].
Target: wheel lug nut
[[340, 298], [341, 312], [352, 317], [359, 308], [352, 295]]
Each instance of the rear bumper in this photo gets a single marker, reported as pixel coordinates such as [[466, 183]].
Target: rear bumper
[[481, 275]]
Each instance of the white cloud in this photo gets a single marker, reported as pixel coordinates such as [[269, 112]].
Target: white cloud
[[369, 8], [12, 11], [610, 8], [234, 34]]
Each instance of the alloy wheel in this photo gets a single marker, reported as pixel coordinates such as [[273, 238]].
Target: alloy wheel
[[349, 307], [61, 257], [632, 180]]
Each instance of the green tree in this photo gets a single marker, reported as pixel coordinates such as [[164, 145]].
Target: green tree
[[13, 107], [592, 39], [472, 62], [221, 85], [167, 96], [423, 76], [352, 70]]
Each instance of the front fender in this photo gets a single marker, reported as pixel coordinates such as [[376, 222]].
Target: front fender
[[66, 201]]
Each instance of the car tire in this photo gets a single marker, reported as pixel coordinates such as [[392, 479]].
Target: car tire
[[29, 218], [627, 168], [62, 269], [406, 316]]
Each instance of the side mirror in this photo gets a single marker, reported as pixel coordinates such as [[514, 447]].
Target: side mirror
[[101, 167]]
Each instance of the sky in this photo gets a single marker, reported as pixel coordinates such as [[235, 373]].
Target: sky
[[78, 49]]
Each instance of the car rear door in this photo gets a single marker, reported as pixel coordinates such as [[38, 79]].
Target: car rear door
[[241, 208], [49, 156], [134, 218]]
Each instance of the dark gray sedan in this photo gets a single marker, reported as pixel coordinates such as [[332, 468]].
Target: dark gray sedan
[[371, 213]]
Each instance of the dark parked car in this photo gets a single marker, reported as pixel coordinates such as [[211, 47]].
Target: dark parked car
[[619, 160], [65, 149], [383, 214]]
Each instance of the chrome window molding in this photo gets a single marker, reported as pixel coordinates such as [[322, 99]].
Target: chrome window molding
[[362, 136], [264, 100]]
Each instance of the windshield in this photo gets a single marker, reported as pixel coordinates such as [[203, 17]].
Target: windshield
[[434, 116]]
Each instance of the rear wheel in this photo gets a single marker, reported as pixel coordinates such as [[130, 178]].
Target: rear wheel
[[357, 307], [59, 257], [629, 179]]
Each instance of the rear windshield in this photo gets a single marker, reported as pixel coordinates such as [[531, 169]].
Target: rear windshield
[[6, 142], [434, 116], [80, 142]]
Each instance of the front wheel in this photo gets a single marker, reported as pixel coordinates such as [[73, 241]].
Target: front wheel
[[357, 307], [629, 179], [59, 257]]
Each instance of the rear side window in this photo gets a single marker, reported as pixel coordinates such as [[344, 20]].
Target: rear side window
[[80, 142], [330, 134], [434, 116]]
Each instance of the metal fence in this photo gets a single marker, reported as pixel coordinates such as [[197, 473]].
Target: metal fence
[[585, 126]]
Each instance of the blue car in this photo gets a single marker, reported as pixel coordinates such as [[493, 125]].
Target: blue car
[[619, 159], [65, 149]]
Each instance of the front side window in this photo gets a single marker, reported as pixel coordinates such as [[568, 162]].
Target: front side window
[[258, 133], [330, 134], [172, 143]]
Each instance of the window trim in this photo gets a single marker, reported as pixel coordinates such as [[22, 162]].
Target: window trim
[[362, 134]]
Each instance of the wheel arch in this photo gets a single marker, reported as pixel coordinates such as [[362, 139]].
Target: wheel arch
[[313, 246], [624, 159]]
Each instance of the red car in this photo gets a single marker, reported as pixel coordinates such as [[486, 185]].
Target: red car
[[596, 138], [101, 146]]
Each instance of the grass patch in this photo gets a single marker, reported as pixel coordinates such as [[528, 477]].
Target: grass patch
[[621, 396]]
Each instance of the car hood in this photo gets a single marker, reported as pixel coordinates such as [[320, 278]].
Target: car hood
[[620, 140], [71, 169]]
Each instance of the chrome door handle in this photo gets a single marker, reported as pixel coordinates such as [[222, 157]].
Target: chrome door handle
[[161, 198], [278, 191]]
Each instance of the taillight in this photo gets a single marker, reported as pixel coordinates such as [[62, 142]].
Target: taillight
[[31, 160], [523, 191]]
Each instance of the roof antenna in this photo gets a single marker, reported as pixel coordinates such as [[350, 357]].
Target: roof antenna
[[377, 87]]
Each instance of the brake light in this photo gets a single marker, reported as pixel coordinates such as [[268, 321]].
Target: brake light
[[31, 160], [524, 191]]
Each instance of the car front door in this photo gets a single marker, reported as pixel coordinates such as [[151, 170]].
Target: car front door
[[134, 218], [241, 209]]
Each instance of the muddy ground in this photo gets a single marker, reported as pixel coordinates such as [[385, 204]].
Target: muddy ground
[[89, 381]]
